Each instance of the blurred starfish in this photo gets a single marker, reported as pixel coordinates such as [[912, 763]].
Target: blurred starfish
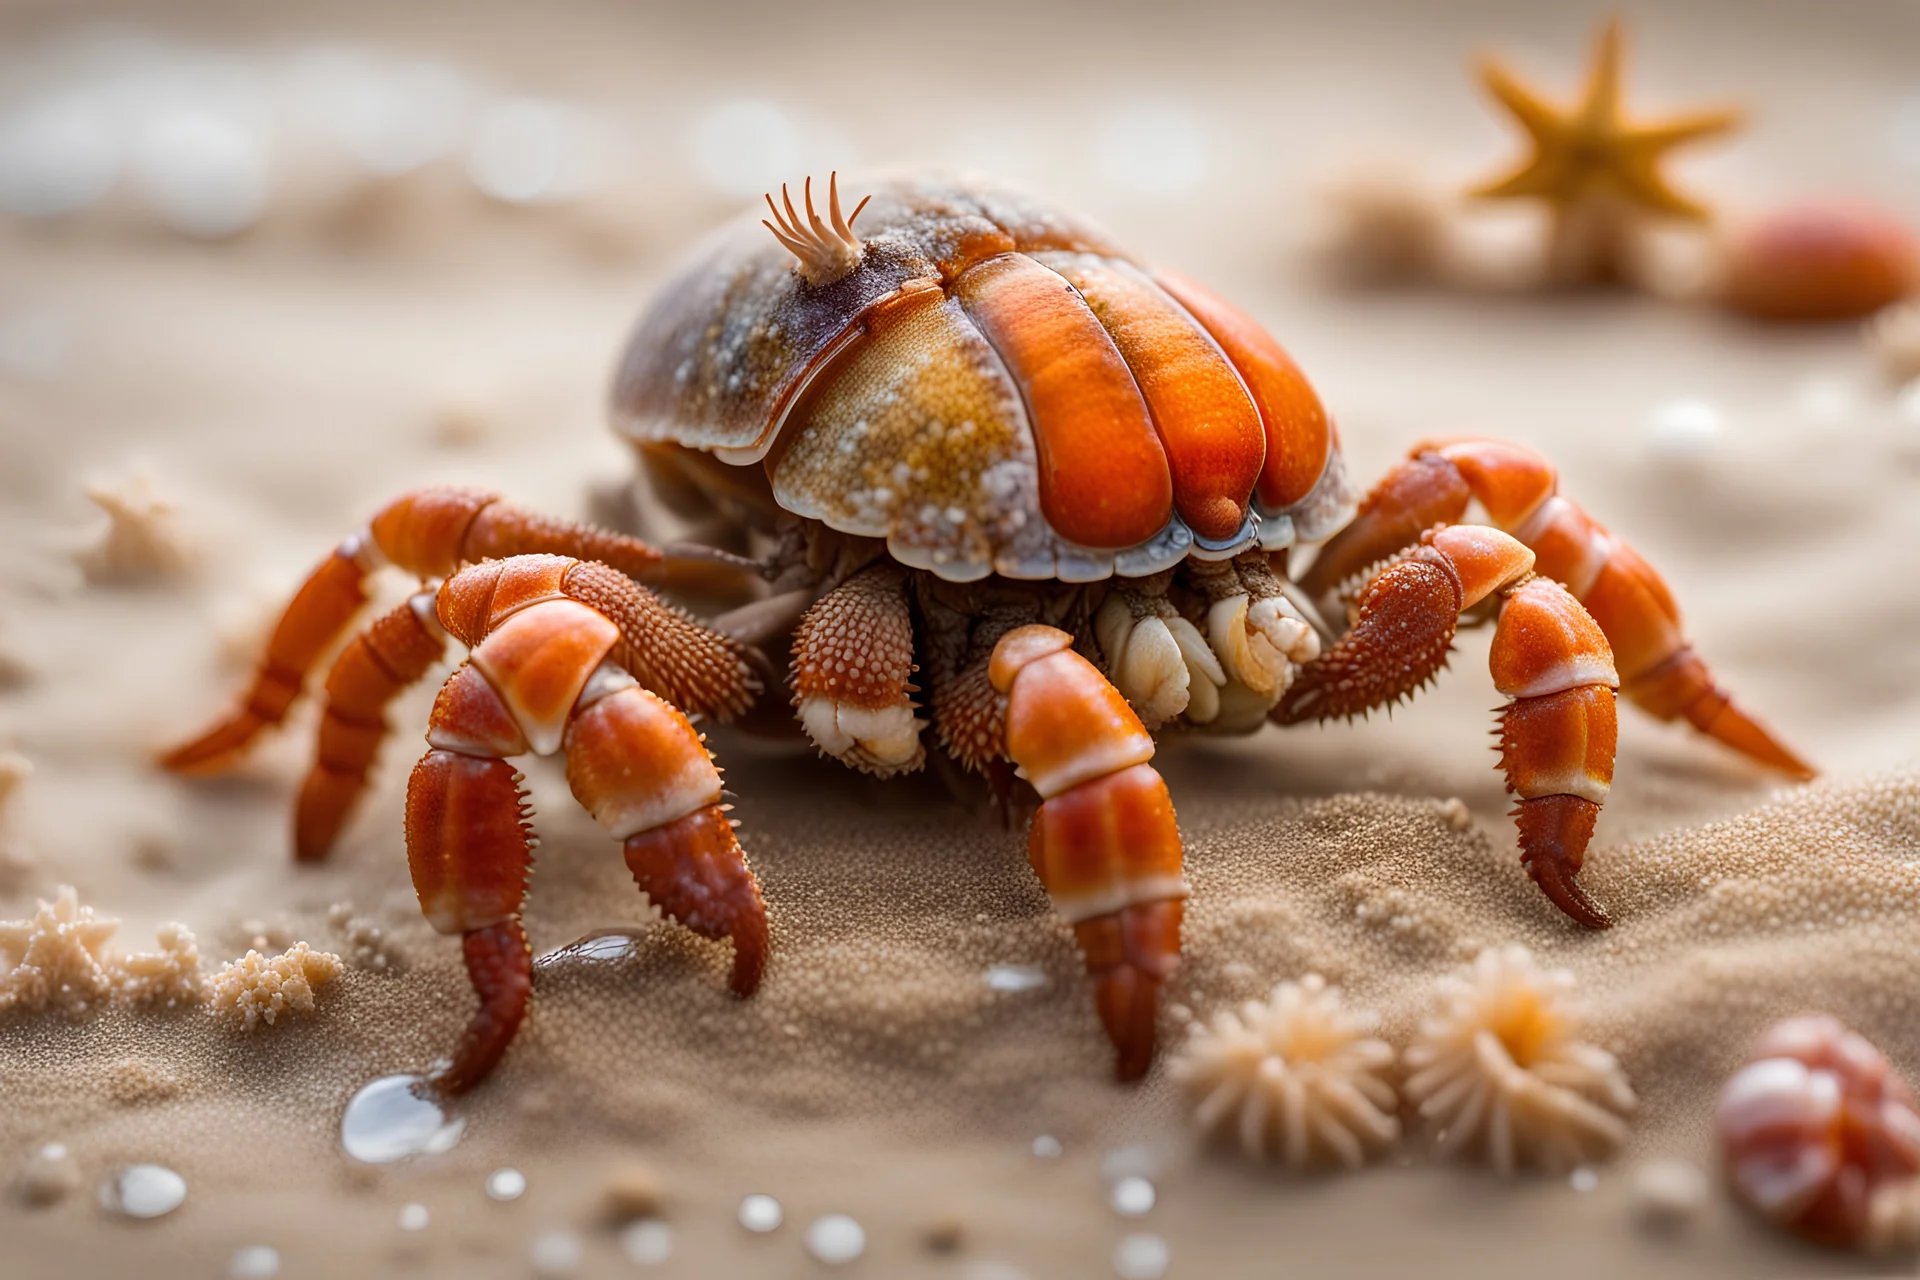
[[1594, 169]]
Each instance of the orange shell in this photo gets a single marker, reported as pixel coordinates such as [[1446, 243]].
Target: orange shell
[[1821, 262], [995, 388]]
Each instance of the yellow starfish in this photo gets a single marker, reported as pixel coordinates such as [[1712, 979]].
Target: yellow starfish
[[1589, 154]]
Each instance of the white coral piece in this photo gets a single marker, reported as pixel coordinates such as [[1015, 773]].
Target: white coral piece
[[169, 976], [254, 988], [142, 541], [1299, 1078], [54, 959], [1499, 1068]]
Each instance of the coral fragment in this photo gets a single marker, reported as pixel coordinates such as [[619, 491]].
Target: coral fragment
[[255, 988]]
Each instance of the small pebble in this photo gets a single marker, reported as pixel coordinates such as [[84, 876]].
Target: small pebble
[[506, 1184], [255, 1262], [1047, 1147], [556, 1253], [761, 1214], [836, 1239], [631, 1190], [1141, 1257], [1132, 1197], [143, 1191], [1669, 1194], [414, 1217], [647, 1242], [946, 1233], [51, 1174]]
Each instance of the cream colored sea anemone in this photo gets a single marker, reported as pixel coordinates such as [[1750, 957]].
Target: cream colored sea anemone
[[1499, 1069], [1298, 1078]]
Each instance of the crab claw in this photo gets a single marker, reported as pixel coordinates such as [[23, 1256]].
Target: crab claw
[[1554, 831], [1130, 953]]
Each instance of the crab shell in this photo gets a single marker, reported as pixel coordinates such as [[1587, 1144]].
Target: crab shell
[[995, 387]]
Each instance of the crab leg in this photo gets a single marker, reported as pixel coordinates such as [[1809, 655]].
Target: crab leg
[[539, 678], [395, 650], [1557, 735], [1104, 842], [429, 533], [853, 674], [1633, 605]]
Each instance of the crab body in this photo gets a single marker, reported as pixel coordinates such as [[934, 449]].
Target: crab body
[[994, 478]]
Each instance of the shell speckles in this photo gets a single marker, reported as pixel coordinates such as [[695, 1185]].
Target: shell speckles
[[986, 383], [1820, 1135], [1500, 1068], [1298, 1078]]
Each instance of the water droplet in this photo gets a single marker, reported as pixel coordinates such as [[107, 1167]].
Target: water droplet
[[506, 1184], [1583, 1179], [1132, 1197], [556, 1253], [1683, 430], [255, 1262], [1016, 977], [836, 1239], [647, 1243], [601, 946], [414, 1217], [761, 1213], [1046, 1147], [395, 1117], [50, 1174], [1141, 1257], [143, 1191]]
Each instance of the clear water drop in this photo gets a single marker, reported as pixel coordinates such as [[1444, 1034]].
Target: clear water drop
[[556, 1253], [1016, 977], [1047, 1147], [414, 1217], [601, 946], [761, 1214], [143, 1191], [1132, 1197], [836, 1239], [506, 1184], [1141, 1257], [395, 1117], [255, 1262], [647, 1243]]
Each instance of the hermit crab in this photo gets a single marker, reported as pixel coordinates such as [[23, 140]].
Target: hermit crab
[[983, 484]]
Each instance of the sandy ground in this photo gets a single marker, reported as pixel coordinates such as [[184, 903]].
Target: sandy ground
[[281, 385]]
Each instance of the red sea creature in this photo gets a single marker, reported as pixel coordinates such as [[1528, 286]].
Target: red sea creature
[[1820, 262], [979, 450], [1820, 1133]]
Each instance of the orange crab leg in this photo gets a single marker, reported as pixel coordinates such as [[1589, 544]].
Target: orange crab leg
[[429, 533], [395, 650], [540, 678], [1104, 842], [1633, 605], [1549, 656]]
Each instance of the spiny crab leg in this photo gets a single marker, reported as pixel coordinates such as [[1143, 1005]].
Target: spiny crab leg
[[1633, 605], [1104, 842], [541, 678], [429, 533], [1557, 735]]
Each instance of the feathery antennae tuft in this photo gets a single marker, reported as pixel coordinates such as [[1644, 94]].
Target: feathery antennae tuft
[[826, 250]]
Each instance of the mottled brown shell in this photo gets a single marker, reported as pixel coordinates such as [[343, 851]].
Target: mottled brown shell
[[995, 387]]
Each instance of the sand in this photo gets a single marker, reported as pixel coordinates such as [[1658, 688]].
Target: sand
[[277, 387]]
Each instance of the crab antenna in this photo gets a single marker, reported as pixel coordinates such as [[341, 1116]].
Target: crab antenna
[[825, 252]]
